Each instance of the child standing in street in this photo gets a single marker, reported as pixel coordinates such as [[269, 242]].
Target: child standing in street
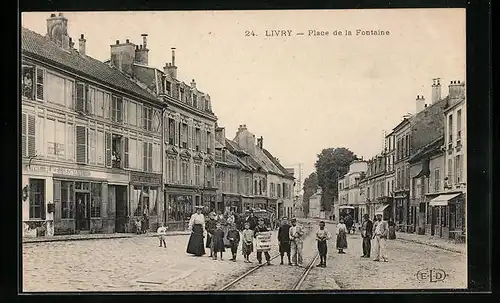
[[162, 233], [233, 235], [247, 244], [341, 236], [218, 240], [322, 235]]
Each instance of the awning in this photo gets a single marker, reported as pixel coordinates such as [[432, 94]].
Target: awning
[[346, 207], [442, 200], [381, 209]]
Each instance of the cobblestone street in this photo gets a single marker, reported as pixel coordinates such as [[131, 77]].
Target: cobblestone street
[[138, 264]]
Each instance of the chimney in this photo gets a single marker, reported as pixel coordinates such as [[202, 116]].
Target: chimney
[[436, 90], [123, 56], [456, 89], [57, 30], [170, 68], [71, 43], [81, 44], [193, 84], [173, 56], [260, 142], [420, 102], [141, 52]]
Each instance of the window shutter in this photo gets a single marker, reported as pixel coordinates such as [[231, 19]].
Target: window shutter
[[150, 157], [165, 129], [81, 144], [125, 153], [80, 97], [177, 133], [203, 146], [87, 100], [145, 156], [125, 111], [57, 200], [24, 136], [107, 138], [31, 135], [40, 77]]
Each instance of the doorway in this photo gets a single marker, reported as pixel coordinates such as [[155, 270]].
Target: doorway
[[119, 195], [82, 211]]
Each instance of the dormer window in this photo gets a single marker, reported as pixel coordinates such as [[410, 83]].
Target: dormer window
[[195, 100], [168, 88], [181, 94]]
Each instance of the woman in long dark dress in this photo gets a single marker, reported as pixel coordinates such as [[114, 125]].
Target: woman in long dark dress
[[392, 229], [197, 227]]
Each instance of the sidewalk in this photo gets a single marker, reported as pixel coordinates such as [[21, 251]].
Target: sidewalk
[[79, 237], [441, 243]]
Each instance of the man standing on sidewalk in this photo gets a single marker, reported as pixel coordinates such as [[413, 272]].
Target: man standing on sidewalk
[[366, 234], [296, 242], [381, 230]]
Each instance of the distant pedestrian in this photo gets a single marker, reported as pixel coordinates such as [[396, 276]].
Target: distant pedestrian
[[284, 240], [366, 234], [262, 228], [296, 234], [233, 235], [247, 243], [218, 241], [162, 234], [341, 236], [138, 226], [322, 235], [252, 220], [392, 229], [381, 230], [145, 216], [197, 228]]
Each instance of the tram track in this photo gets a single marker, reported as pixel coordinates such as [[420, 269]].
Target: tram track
[[260, 274]]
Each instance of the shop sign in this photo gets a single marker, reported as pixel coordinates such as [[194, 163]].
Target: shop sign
[[58, 170], [149, 179]]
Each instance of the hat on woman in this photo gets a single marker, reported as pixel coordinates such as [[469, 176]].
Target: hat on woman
[[198, 207]]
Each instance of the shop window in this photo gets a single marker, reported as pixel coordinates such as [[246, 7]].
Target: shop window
[[67, 199], [95, 200], [180, 207], [37, 199]]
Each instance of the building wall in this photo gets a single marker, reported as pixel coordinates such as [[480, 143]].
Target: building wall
[[456, 145]]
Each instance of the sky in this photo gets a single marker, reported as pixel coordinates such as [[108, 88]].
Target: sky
[[300, 93]]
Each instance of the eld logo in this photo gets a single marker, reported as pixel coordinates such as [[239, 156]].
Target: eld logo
[[431, 275]]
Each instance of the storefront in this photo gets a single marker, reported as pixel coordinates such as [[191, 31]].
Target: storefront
[[66, 200], [447, 215], [232, 202], [247, 203], [209, 200], [180, 201], [145, 200], [402, 212], [260, 203]]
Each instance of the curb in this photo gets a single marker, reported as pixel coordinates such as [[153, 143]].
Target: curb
[[432, 245], [105, 237]]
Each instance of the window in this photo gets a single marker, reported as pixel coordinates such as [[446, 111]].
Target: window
[[197, 138], [184, 172], [168, 88], [209, 143], [28, 135], [279, 190], [458, 170], [132, 153], [459, 125], [55, 89], [207, 106], [117, 109], [99, 103], [181, 93], [171, 131], [209, 176], [195, 101], [147, 156], [407, 145], [37, 199], [82, 98], [95, 200], [231, 182], [67, 199], [450, 170], [107, 105], [184, 135], [450, 130], [147, 118], [99, 147], [436, 180], [132, 113], [27, 81], [81, 144]]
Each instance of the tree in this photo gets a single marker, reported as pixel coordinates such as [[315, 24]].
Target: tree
[[310, 186], [331, 165]]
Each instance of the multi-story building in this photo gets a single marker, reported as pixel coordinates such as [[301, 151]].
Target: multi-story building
[[315, 204], [401, 205], [273, 185], [390, 155], [350, 198], [373, 188], [188, 131], [91, 160], [448, 209]]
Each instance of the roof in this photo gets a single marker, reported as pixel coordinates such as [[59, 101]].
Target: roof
[[234, 147], [431, 147], [264, 160], [40, 47], [275, 162]]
